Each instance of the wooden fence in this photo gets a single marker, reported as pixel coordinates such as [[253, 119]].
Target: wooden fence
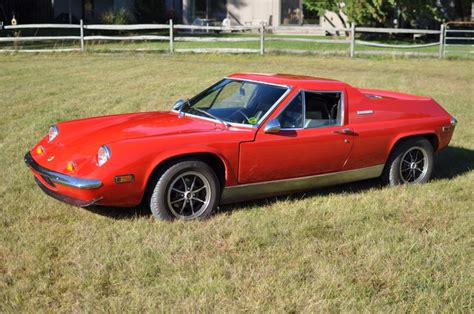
[[452, 36], [173, 35]]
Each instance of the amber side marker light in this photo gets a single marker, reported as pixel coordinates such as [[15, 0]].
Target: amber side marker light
[[70, 166], [40, 150], [126, 178]]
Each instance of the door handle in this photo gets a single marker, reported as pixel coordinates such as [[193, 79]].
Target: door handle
[[346, 131]]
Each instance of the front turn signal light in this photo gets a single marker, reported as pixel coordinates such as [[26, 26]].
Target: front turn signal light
[[71, 166], [40, 150]]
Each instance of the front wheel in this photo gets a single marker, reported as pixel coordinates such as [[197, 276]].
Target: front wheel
[[186, 190], [411, 161]]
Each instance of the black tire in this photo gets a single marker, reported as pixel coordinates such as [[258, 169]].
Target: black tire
[[164, 197], [400, 168]]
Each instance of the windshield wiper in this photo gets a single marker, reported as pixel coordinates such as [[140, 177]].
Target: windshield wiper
[[211, 115]]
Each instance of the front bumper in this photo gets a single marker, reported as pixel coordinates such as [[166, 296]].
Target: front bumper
[[68, 189], [66, 199], [62, 179]]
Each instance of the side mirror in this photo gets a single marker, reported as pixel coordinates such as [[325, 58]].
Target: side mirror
[[272, 127], [178, 104]]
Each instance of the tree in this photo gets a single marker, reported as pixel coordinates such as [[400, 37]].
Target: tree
[[321, 6], [390, 13], [377, 13], [418, 13]]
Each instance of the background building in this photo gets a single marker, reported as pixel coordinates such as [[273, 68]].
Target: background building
[[30, 11], [240, 12], [247, 12], [71, 11]]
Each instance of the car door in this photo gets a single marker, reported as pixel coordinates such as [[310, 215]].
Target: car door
[[312, 140]]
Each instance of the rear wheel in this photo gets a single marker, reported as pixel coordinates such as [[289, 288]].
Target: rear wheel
[[411, 161], [186, 190]]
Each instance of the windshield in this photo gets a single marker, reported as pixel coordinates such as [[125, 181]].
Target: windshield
[[235, 101]]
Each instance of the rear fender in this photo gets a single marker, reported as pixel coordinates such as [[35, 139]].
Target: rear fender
[[401, 136]]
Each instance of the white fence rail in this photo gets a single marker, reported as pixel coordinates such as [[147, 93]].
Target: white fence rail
[[396, 30], [445, 40], [452, 37], [22, 26]]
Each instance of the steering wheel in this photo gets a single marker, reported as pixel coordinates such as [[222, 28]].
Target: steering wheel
[[242, 113]]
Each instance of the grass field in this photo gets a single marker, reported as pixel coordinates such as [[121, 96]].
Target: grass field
[[358, 247]]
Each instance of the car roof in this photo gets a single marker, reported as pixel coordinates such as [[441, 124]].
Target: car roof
[[285, 79]]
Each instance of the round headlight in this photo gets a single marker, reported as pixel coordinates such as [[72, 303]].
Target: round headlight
[[103, 155], [52, 133], [454, 121]]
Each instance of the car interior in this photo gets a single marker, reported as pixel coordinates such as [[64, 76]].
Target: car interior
[[321, 109]]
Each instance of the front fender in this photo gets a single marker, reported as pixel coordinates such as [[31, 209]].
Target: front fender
[[141, 156], [150, 155], [189, 150]]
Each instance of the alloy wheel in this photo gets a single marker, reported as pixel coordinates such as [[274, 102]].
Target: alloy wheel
[[189, 195], [414, 165]]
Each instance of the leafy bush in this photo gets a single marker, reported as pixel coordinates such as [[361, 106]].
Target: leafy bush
[[120, 16]]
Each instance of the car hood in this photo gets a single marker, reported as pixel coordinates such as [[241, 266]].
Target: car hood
[[79, 140], [109, 129]]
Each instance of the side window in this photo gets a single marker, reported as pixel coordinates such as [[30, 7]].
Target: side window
[[322, 109], [292, 116]]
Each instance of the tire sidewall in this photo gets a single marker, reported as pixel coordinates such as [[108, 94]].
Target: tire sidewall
[[392, 174], [158, 199]]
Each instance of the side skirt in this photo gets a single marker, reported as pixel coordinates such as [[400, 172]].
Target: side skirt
[[238, 193]]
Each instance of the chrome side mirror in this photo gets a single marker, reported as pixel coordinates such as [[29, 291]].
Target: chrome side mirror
[[272, 127], [178, 104]]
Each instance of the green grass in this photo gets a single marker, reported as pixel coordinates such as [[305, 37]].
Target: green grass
[[358, 247]]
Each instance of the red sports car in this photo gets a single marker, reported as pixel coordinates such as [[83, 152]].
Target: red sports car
[[248, 136]]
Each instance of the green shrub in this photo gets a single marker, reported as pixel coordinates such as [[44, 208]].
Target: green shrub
[[120, 16]]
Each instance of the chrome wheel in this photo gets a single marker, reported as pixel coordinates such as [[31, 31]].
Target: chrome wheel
[[414, 165], [189, 195]]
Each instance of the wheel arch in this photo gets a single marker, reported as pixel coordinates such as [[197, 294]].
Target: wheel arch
[[213, 159], [388, 175], [431, 136]]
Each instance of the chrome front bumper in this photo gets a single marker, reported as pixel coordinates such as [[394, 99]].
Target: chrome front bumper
[[66, 199], [62, 179]]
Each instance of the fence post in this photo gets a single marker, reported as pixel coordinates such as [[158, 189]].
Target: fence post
[[442, 40], [352, 40], [262, 39], [171, 36], [82, 35]]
